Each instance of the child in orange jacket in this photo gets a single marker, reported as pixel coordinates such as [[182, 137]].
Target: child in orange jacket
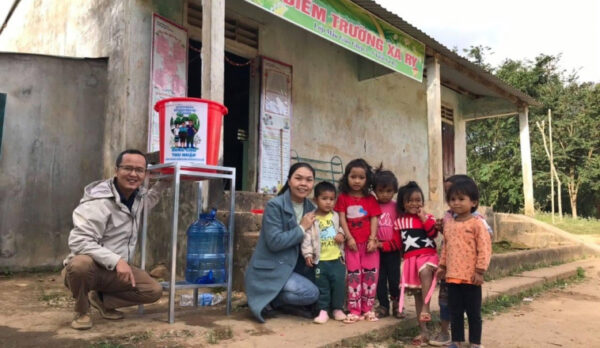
[[466, 255]]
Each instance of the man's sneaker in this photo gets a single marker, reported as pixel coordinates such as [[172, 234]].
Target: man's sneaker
[[82, 321], [440, 340], [106, 313]]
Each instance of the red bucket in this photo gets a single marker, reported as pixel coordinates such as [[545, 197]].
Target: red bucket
[[205, 117]]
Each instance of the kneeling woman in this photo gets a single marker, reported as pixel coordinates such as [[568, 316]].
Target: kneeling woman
[[271, 278]]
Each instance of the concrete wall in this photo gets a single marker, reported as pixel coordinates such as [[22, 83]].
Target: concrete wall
[[51, 147], [380, 119], [119, 30]]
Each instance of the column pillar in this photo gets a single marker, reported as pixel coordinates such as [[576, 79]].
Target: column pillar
[[460, 144], [213, 77], [434, 136], [213, 50], [526, 160]]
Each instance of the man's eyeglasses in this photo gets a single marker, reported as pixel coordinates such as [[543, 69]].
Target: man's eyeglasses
[[129, 169]]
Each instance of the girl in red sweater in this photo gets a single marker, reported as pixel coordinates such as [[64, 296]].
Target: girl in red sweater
[[418, 232]]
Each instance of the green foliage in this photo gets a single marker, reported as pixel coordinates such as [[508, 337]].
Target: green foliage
[[493, 145], [194, 118]]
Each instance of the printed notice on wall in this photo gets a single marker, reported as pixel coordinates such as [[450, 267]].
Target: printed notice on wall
[[168, 70], [275, 122]]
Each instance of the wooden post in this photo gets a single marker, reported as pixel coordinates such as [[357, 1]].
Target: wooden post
[[526, 160], [554, 173], [551, 164], [434, 136]]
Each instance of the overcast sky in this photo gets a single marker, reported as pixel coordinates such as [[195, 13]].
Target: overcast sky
[[514, 29]]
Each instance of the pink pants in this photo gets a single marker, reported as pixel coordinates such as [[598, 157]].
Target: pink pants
[[362, 278]]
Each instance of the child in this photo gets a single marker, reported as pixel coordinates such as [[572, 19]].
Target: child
[[321, 249], [389, 243], [420, 255], [358, 211], [465, 257], [443, 337]]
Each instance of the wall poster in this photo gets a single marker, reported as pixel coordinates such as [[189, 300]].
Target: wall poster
[[275, 123], [168, 70]]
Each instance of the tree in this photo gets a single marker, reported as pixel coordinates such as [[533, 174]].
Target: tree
[[493, 144], [577, 130]]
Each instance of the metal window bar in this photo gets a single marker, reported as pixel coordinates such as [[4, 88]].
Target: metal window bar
[[324, 170]]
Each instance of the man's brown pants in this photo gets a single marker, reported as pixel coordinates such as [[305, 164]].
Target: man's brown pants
[[82, 274]]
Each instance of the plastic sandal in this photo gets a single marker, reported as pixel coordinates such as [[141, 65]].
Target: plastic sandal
[[382, 312], [420, 341], [370, 316], [425, 317], [352, 318]]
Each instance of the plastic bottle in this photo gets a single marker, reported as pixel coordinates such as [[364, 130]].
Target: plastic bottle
[[206, 299], [207, 240]]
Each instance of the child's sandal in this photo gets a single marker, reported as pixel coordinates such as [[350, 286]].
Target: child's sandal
[[370, 316], [425, 317], [382, 312], [352, 318], [420, 341]]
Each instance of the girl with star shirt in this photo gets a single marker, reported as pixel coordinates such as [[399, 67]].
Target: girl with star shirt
[[418, 232]]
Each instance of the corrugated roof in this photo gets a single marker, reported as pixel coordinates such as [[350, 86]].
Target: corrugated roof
[[401, 24]]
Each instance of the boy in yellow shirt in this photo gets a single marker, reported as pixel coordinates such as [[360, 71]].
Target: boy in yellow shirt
[[322, 249]]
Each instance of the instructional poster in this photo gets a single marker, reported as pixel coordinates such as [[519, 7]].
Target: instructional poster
[[168, 70], [275, 123]]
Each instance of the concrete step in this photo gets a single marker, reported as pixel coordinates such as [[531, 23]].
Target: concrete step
[[506, 264]]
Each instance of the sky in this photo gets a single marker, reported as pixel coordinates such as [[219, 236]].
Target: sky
[[515, 29]]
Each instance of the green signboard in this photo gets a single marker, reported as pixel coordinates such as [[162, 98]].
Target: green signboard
[[354, 28]]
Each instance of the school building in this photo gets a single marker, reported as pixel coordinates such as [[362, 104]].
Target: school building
[[321, 79]]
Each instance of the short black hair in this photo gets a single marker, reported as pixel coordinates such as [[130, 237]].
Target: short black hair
[[357, 163], [130, 152], [324, 186], [456, 178], [467, 188], [404, 194], [384, 178]]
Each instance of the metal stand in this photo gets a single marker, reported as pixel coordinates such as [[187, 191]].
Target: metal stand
[[190, 172]]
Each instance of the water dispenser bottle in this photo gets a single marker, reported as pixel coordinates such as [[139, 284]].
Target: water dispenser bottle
[[207, 241]]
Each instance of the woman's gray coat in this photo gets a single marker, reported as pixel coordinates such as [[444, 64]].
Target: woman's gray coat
[[276, 252]]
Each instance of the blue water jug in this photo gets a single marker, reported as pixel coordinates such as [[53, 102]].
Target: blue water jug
[[207, 241]]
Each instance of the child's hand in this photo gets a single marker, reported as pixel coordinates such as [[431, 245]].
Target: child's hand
[[339, 238], [309, 261], [439, 225], [441, 273], [372, 245], [351, 243], [421, 214], [477, 278]]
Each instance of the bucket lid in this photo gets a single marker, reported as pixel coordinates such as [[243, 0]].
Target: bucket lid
[[161, 102]]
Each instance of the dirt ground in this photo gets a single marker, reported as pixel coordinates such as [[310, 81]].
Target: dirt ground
[[37, 310], [566, 317]]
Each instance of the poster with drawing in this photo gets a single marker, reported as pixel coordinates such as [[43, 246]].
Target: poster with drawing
[[275, 122], [168, 70]]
